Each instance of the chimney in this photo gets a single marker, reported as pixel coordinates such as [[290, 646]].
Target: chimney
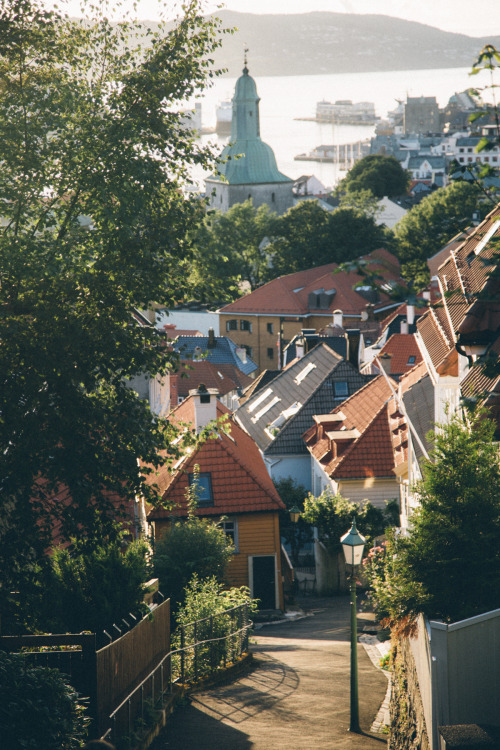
[[338, 319], [404, 326], [242, 354], [211, 339], [410, 314], [205, 405], [384, 361], [300, 346]]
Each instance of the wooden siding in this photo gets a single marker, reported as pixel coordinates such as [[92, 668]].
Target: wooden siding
[[258, 534], [377, 491]]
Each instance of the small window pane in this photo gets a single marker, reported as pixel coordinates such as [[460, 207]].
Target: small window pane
[[203, 484], [341, 390]]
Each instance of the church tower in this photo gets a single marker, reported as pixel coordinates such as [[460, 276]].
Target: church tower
[[248, 166]]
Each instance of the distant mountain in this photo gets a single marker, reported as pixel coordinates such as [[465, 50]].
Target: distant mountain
[[317, 43]]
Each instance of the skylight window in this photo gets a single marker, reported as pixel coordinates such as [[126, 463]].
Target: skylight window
[[299, 289], [304, 373], [293, 409], [259, 400], [265, 409], [487, 237]]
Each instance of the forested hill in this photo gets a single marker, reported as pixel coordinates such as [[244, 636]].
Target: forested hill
[[322, 42]]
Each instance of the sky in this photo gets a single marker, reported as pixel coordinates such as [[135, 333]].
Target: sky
[[478, 18]]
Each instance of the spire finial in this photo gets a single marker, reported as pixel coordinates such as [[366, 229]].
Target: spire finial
[[245, 60]]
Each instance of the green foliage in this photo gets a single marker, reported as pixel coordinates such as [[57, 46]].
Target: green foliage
[[208, 617], [333, 515], [195, 546], [449, 565], [230, 249], [294, 534], [94, 225], [381, 175], [89, 589], [308, 236], [206, 597], [431, 224], [37, 708]]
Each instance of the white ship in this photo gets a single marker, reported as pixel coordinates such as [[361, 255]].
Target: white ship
[[224, 115], [345, 112]]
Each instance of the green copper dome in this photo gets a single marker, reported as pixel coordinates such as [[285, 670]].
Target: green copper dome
[[248, 160]]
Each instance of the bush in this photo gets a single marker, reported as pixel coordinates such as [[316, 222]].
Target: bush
[[89, 589], [196, 546], [211, 607], [38, 710]]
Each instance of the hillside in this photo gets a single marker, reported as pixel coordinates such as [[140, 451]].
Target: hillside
[[325, 43]]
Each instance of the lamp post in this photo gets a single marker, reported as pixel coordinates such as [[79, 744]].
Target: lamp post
[[352, 544]]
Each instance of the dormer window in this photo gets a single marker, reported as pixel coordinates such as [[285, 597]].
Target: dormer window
[[203, 489]]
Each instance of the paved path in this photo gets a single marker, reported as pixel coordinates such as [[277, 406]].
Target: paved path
[[295, 697]]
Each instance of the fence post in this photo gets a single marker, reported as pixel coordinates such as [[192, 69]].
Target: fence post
[[212, 663], [246, 627], [89, 659], [195, 636], [183, 640]]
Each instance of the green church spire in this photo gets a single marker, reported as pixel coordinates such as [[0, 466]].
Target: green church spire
[[248, 160]]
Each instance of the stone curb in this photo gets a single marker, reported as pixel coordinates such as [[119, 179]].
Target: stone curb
[[376, 650]]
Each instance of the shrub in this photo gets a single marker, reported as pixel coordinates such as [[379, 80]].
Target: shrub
[[196, 546], [88, 589], [38, 710]]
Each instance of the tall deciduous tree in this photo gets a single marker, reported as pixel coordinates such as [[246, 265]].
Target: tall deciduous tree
[[231, 249], [308, 236], [449, 565], [432, 224], [93, 221], [382, 175]]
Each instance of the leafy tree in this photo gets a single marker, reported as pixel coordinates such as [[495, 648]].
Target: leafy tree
[[332, 515], [381, 175], [431, 224], [37, 708], [449, 565], [231, 248], [94, 225], [307, 236], [361, 200]]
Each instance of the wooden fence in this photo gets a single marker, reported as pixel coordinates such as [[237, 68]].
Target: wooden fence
[[102, 677]]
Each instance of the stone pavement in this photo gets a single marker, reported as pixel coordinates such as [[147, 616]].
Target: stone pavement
[[296, 695]]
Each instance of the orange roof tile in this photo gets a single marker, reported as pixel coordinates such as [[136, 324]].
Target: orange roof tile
[[289, 295], [240, 481], [404, 352], [367, 453]]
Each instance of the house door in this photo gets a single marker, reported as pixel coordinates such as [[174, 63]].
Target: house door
[[263, 580]]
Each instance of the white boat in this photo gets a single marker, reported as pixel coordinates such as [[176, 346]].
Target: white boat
[[345, 112]]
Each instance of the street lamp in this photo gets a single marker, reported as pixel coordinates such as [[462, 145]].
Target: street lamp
[[352, 544], [295, 514]]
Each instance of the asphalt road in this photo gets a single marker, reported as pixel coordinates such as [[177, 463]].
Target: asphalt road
[[296, 695]]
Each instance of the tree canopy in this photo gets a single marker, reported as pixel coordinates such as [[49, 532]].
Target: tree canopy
[[308, 236], [431, 224], [382, 175], [449, 565], [94, 225]]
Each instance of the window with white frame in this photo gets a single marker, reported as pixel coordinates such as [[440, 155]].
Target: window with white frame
[[230, 529]]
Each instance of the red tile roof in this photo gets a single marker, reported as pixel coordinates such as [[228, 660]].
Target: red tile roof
[[240, 482], [367, 450], [225, 378], [289, 295], [401, 347]]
